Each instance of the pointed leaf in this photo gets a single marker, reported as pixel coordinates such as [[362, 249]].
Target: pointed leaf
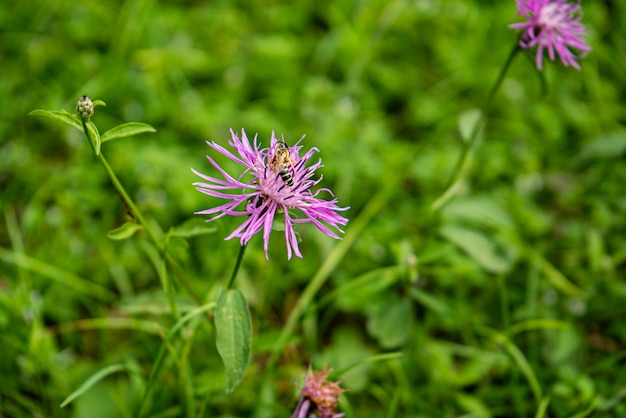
[[390, 323], [234, 334], [98, 103], [193, 227], [479, 247], [125, 231], [95, 378], [61, 116], [610, 145], [469, 122], [126, 129], [94, 136]]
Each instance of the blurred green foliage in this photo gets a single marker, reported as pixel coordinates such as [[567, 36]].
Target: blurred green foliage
[[510, 297]]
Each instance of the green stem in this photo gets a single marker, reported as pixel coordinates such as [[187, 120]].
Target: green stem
[[181, 276], [120, 189], [242, 250], [169, 288], [129, 202], [463, 163], [504, 303], [306, 299], [139, 216]]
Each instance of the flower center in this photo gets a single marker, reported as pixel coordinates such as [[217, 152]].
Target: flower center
[[553, 15]]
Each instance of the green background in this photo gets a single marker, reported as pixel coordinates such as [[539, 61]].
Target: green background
[[508, 300]]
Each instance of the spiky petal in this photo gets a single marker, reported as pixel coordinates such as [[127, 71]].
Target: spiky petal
[[552, 25], [260, 193]]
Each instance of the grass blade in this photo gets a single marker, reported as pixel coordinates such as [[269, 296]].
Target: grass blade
[[95, 378], [543, 407], [170, 335], [66, 278], [518, 357]]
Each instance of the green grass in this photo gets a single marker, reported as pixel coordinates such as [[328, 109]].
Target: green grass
[[506, 301]]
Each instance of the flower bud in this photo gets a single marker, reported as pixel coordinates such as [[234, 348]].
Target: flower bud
[[84, 107]]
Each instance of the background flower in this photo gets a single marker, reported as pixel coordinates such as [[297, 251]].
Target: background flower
[[553, 25], [318, 396], [269, 186]]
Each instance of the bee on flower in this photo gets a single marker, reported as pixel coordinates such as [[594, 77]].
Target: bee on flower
[[275, 180]]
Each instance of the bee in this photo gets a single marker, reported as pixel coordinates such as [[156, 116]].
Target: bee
[[280, 163]]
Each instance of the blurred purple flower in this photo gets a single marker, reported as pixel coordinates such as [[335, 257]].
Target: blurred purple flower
[[318, 396], [279, 181], [553, 25]]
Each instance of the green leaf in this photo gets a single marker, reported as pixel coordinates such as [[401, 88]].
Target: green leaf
[[126, 129], [390, 324], [95, 378], [158, 362], [469, 121], [472, 404], [481, 210], [98, 103], [74, 282], [234, 335], [177, 247], [61, 116], [278, 224], [610, 145], [94, 136], [192, 228], [478, 247], [125, 231], [369, 286]]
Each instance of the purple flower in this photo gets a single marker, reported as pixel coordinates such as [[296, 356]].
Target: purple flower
[[553, 25], [274, 181], [318, 396]]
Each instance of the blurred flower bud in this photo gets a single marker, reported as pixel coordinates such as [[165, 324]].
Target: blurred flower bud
[[318, 397], [84, 107]]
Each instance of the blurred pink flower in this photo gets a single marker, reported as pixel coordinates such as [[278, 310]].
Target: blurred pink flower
[[275, 180], [553, 25], [318, 396]]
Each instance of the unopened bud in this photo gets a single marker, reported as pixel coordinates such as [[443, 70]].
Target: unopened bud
[[84, 107]]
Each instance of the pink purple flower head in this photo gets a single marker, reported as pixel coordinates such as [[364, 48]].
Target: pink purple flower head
[[318, 396], [553, 25], [275, 181]]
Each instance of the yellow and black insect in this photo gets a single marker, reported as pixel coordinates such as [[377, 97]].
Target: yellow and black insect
[[280, 163]]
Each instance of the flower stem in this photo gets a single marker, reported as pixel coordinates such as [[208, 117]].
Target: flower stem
[[504, 303], [120, 189], [242, 250], [129, 202], [463, 162], [139, 216]]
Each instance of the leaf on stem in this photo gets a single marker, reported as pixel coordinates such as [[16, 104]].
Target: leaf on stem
[[94, 136], [126, 129], [61, 116], [234, 334], [125, 231]]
